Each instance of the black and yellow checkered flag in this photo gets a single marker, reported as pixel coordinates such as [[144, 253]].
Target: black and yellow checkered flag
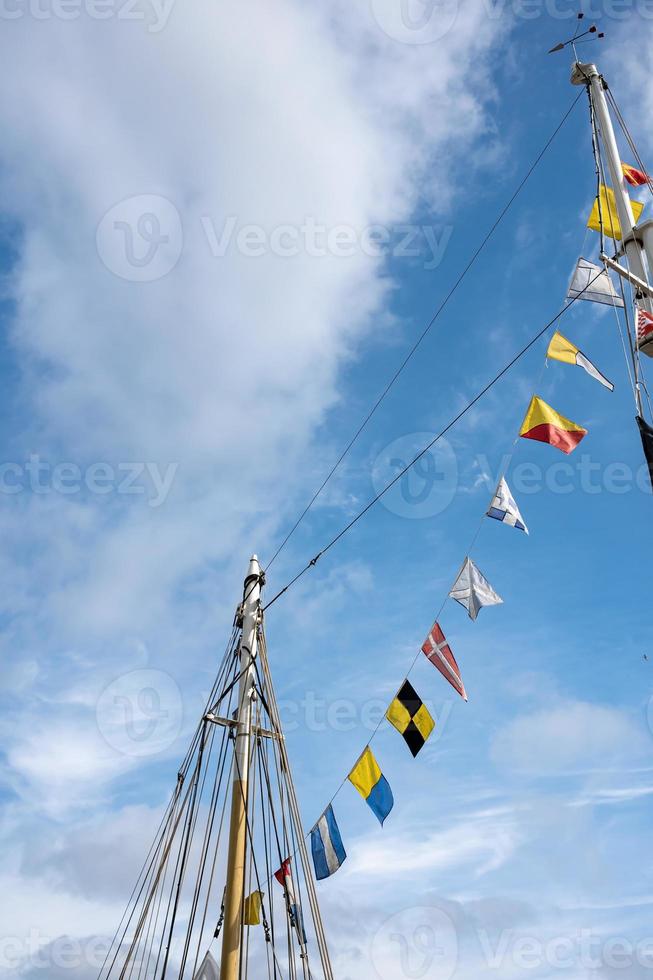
[[411, 718]]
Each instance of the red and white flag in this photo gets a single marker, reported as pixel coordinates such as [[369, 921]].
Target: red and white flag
[[284, 877], [644, 327], [438, 651]]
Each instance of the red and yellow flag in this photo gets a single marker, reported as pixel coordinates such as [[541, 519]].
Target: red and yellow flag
[[544, 424], [634, 176]]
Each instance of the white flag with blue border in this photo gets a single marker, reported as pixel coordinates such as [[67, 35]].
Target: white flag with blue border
[[503, 508], [326, 845]]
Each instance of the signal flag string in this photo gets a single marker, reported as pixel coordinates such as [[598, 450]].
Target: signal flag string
[[530, 344], [443, 432]]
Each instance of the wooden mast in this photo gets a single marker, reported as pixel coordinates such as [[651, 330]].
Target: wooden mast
[[234, 894]]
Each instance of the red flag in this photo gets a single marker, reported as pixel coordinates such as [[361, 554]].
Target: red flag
[[284, 873], [644, 327], [438, 651], [634, 176]]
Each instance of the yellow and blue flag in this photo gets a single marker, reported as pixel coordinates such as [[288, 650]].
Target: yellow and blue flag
[[372, 785]]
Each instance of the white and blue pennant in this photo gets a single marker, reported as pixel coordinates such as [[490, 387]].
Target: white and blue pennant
[[326, 845], [503, 508]]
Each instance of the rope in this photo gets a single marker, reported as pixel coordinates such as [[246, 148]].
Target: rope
[[426, 330], [444, 602], [184, 850], [443, 432], [601, 180], [629, 138]]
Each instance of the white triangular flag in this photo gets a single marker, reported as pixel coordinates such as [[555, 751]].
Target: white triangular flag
[[503, 508], [209, 969], [473, 591], [601, 289]]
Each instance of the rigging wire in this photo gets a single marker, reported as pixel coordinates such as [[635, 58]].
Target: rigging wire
[[425, 331], [627, 134], [639, 382], [599, 165], [474, 538], [633, 364], [443, 432]]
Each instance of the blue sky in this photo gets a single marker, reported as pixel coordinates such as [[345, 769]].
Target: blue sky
[[223, 384]]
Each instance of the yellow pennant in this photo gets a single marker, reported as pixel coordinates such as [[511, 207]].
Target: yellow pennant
[[561, 349]]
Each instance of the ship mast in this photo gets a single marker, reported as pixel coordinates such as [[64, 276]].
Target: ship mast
[[637, 248], [252, 649], [236, 778], [236, 860]]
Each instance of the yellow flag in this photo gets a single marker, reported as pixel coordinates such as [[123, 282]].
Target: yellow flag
[[611, 225], [561, 349], [253, 909]]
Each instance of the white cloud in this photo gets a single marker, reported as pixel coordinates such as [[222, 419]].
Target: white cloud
[[479, 845], [224, 366], [566, 736]]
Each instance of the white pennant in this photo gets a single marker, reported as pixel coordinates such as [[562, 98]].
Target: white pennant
[[208, 970], [601, 289], [473, 591]]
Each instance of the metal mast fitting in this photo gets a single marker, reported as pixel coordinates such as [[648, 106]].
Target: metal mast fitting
[[589, 75], [236, 860]]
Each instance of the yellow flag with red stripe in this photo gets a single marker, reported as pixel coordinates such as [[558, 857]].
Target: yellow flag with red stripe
[[544, 424]]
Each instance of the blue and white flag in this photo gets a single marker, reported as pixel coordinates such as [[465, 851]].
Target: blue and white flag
[[326, 845], [503, 508]]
